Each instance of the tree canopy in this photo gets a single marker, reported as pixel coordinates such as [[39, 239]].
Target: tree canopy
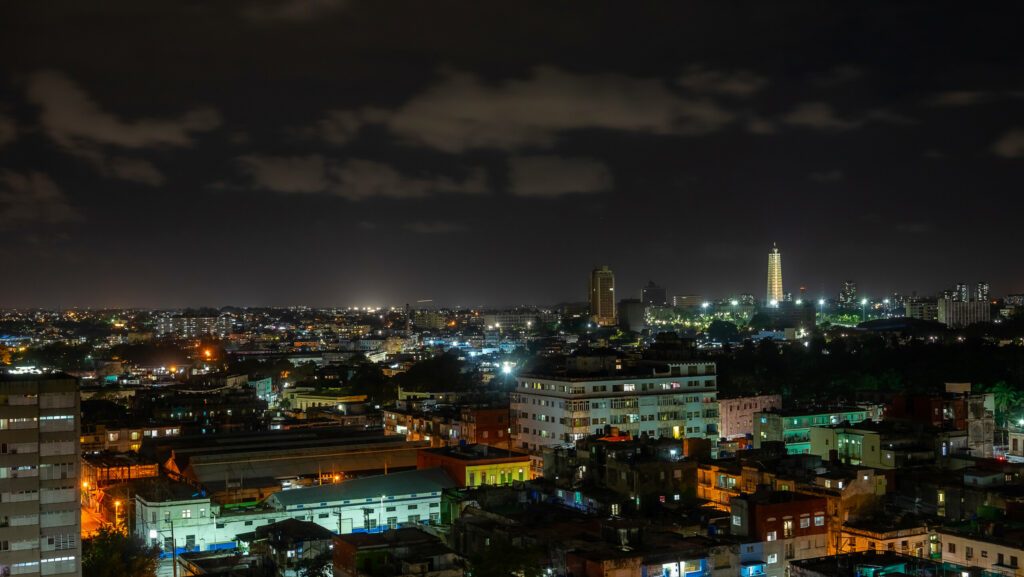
[[111, 553]]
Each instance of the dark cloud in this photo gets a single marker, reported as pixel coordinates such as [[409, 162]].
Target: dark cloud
[[1010, 144], [8, 130], [73, 119], [818, 116], [32, 199], [550, 176], [270, 11], [435, 227], [827, 176], [334, 122], [821, 116], [959, 98], [461, 112], [741, 83], [353, 179]]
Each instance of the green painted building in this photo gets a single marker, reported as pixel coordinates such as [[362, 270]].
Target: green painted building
[[793, 426]]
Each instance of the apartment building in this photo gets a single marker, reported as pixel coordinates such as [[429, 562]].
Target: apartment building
[[676, 400], [39, 486], [793, 426]]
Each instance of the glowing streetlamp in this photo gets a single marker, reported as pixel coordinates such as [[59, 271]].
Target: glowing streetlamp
[[864, 310]]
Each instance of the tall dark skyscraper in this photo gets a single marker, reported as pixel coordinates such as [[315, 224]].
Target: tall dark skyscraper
[[602, 297], [653, 295]]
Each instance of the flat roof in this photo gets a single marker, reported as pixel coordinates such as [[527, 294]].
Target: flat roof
[[477, 452], [404, 483]]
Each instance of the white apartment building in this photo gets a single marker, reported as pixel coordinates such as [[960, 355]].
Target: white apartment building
[[189, 327], [177, 517], [1003, 556], [39, 454], [677, 400]]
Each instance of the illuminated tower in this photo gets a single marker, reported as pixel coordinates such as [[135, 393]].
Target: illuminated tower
[[602, 297], [774, 275]]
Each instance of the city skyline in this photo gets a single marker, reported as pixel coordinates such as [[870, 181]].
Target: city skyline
[[322, 154]]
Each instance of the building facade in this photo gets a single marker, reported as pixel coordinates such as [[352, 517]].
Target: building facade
[[793, 426], [39, 484], [190, 327], [737, 414], [774, 293], [789, 526], [680, 402], [177, 518], [602, 297], [957, 314], [653, 295]]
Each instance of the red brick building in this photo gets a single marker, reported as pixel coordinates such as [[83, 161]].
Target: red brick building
[[788, 525]]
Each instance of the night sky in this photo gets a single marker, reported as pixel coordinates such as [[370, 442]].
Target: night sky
[[332, 152]]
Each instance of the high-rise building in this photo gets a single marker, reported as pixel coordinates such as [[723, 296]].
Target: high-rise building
[[190, 326], [848, 294], [962, 293], [774, 276], [40, 510], [957, 314], [922, 309], [632, 315], [691, 301], [653, 295], [981, 291], [602, 297]]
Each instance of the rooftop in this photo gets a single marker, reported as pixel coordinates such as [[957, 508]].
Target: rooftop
[[288, 531], [477, 452], [805, 411], [404, 483], [869, 563], [401, 536]]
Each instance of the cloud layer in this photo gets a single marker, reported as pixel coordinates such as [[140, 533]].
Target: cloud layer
[[74, 121], [550, 176], [462, 112], [353, 179], [32, 199]]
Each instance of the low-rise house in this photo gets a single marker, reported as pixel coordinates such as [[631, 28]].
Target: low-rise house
[[289, 543], [400, 553]]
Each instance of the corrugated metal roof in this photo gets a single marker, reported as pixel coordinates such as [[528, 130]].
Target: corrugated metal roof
[[395, 484]]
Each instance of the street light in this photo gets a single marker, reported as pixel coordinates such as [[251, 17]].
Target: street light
[[864, 310], [117, 514]]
